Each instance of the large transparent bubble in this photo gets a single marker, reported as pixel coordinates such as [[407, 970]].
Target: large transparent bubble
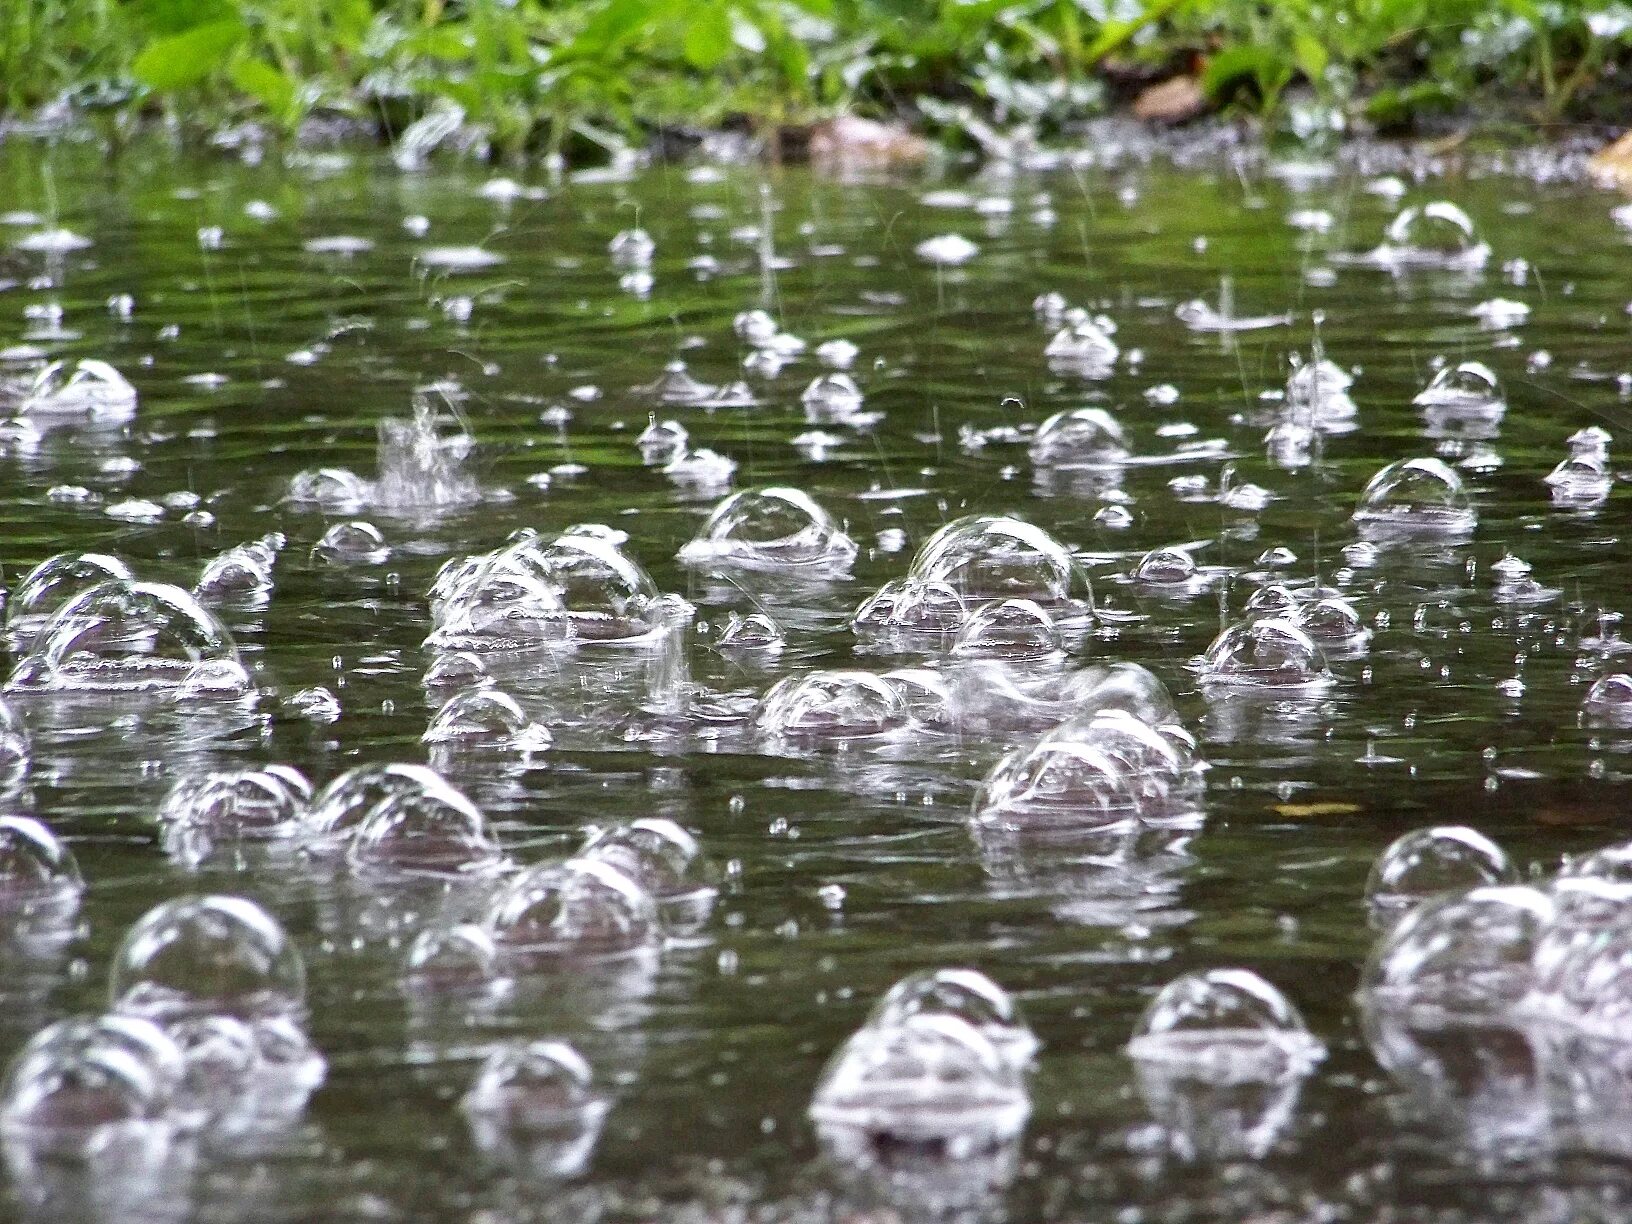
[[52, 583], [434, 832], [1009, 629], [771, 529], [1428, 862], [212, 955], [911, 613], [460, 957], [1466, 952], [1334, 623], [582, 908], [986, 557], [122, 636], [1468, 387], [832, 705], [1079, 437], [336, 490], [667, 862], [341, 806], [38, 873], [1083, 347], [1433, 235], [534, 1106], [248, 804], [1225, 1024], [966, 994], [1060, 783], [486, 717], [1265, 654], [82, 388], [932, 1078], [832, 397], [80, 1080], [1415, 497], [241, 574]]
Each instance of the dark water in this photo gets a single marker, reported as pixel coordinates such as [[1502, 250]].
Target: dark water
[[712, 1052]]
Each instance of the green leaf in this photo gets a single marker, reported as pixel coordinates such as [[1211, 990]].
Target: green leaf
[[1226, 70], [161, 17], [180, 60], [269, 86], [707, 41], [1311, 56]]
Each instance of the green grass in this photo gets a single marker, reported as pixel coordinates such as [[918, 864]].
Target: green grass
[[554, 74]]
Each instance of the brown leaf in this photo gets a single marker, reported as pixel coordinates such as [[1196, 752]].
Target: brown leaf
[[849, 140], [1176, 100], [1614, 164]]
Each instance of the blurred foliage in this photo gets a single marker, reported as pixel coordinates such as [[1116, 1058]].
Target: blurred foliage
[[539, 73]]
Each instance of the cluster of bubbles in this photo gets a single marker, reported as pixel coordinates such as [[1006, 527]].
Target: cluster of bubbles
[[203, 1046]]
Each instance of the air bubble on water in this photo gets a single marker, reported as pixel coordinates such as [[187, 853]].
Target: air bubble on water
[[1467, 387], [1084, 348], [832, 705], [1269, 653], [771, 529], [702, 471], [534, 1107], [631, 248], [1609, 701], [432, 832], [353, 543], [337, 490], [760, 331], [925, 694], [1593, 440], [1429, 862], [121, 636], [985, 557], [241, 574], [1467, 952], [967, 994], [1500, 314], [839, 354], [1333, 623], [582, 908], [207, 955], [81, 388], [662, 441], [52, 583], [345, 802], [1225, 1025], [56, 241], [756, 631], [1433, 235], [459, 957], [486, 717], [1581, 479], [946, 250], [1166, 567], [1079, 437], [905, 610], [81, 1082], [1063, 783], [241, 804], [1200, 315], [831, 397], [1050, 307], [665, 860], [1009, 629], [315, 704], [1415, 497], [932, 1078], [677, 385], [39, 876]]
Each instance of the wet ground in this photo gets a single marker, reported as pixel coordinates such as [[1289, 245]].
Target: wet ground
[[256, 358]]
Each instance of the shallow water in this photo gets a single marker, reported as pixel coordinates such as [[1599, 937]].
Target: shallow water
[[711, 1052]]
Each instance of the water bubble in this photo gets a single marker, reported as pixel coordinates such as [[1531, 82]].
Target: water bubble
[[55, 581], [676, 385], [579, 908], [1471, 951], [486, 717], [1427, 862], [1593, 440], [932, 1078], [1063, 782], [1333, 623], [1165, 567], [122, 636], [1609, 701], [840, 354], [459, 957], [433, 832], [1080, 437], [534, 1105], [1468, 387], [241, 574], [1009, 629], [1321, 386], [632, 248], [987, 557], [354, 543], [212, 955], [911, 608], [1500, 314], [1433, 235], [667, 862], [1265, 653], [80, 1080], [925, 695], [662, 441], [756, 631], [832, 397], [946, 250], [832, 705], [1084, 347], [966, 994], [1415, 497], [760, 331], [1580, 479], [771, 529], [38, 873], [1226, 1024], [341, 806], [83, 388], [338, 490], [246, 804]]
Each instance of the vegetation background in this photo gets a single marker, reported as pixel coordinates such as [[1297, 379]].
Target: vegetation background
[[561, 75]]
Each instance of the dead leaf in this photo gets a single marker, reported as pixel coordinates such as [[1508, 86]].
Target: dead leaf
[[1614, 164], [1176, 100], [849, 140], [1302, 811]]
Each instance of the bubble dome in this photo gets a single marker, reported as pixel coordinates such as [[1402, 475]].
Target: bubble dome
[[432, 832], [771, 529], [666, 861], [1079, 436], [1060, 783], [1434, 235], [1468, 386], [994, 557], [582, 908], [1165, 567], [756, 631], [1333, 622], [1427, 862], [81, 388], [121, 636], [931, 1078], [36, 868], [831, 397], [1009, 629], [486, 716], [243, 803], [341, 806], [353, 543], [337, 490], [1226, 1024], [832, 705], [207, 955], [240, 574], [1466, 952], [966, 994], [52, 583], [911, 607], [80, 1077], [1270, 653], [1084, 345], [1415, 496], [534, 1106], [460, 956]]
